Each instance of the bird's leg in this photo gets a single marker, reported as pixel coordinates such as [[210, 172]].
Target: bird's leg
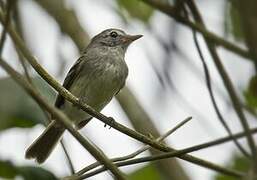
[[112, 121]]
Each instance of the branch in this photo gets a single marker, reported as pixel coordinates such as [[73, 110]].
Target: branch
[[60, 116], [10, 4], [5, 24], [172, 12], [142, 123], [175, 154], [58, 13], [192, 67], [139, 151], [68, 159], [107, 120], [213, 100], [226, 80]]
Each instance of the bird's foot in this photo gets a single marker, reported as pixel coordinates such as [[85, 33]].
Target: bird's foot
[[112, 121]]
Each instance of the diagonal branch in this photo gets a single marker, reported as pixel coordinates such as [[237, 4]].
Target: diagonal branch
[[213, 100], [226, 80], [107, 120], [9, 7], [143, 123], [172, 12], [139, 151], [175, 154], [58, 13], [60, 116], [6, 23], [67, 155]]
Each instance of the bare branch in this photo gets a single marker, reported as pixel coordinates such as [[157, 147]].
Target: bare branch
[[5, 24], [60, 116], [143, 123], [226, 80], [71, 167], [213, 100], [67, 95], [139, 151], [175, 154], [172, 12]]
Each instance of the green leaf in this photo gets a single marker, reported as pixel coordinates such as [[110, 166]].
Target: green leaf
[[134, 9], [9, 170], [148, 172], [17, 108]]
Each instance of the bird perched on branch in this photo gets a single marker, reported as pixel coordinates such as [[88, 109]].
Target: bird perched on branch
[[96, 77]]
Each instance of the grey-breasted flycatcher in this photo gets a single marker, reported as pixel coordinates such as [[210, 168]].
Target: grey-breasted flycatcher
[[95, 78]]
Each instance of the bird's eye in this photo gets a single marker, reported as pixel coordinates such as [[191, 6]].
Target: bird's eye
[[113, 34]]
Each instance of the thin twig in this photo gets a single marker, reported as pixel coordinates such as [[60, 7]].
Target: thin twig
[[139, 151], [68, 158], [192, 67], [5, 24], [213, 100], [216, 108], [177, 95], [21, 59], [29, 79], [60, 116], [175, 154], [107, 120], [9, 7], [171, 11], [226, 80]]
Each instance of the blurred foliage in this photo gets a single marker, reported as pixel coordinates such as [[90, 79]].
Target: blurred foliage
[[134, 9], [251, 93], [232, 21], [10, 171], [19, 109], [148, 172], [239, 163]]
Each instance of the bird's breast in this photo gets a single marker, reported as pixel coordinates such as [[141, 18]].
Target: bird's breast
[[102, 83], [98, 85]]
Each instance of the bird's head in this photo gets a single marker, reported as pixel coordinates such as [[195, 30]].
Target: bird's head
[[114, 38]]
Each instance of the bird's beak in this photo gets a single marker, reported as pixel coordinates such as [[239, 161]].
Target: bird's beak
[[130, 38]]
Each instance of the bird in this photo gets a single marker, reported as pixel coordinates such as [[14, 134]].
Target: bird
[[95, 78]]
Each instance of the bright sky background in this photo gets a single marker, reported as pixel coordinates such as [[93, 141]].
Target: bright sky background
[[95, 16]]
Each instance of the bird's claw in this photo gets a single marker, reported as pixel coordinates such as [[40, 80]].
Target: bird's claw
[[112, 121]]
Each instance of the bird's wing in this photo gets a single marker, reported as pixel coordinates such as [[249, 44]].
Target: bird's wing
[[71, 76], [122, 85]]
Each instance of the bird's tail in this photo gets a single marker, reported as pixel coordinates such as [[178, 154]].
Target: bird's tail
[[41, 148]]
